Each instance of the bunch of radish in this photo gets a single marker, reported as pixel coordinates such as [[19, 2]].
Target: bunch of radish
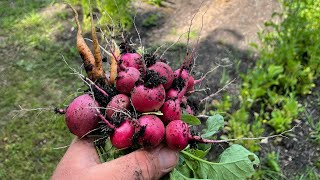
[[139, 103]]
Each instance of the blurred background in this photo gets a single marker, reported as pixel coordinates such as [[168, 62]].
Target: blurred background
[[268, 49]]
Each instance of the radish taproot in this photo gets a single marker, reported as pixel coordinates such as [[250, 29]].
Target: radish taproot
[[118, 103], [126, 79], [131, 60], [122, 136], [153, 131], [81, 115], [165, 71], [146, 99], [171, 110], [178, 136]]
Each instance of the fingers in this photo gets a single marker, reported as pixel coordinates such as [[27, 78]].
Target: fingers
[[82, 161], [140, 164], [80, 155]]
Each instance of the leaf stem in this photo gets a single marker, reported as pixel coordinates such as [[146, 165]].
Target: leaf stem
[[202, 140], [196, 158]]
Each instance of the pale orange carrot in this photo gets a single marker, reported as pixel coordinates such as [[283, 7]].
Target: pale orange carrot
[[114, 62], [83, 49], [94, 73], [97, 52]]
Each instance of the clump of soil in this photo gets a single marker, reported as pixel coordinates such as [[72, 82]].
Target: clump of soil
[[150, 59], [153, 79], [178, 83]]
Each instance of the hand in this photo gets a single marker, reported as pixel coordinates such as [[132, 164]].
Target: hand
[[81, 161]]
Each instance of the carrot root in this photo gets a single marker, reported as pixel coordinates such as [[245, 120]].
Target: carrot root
[[97, 53]]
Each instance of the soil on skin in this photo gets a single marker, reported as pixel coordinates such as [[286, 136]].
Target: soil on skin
[[229, 26]]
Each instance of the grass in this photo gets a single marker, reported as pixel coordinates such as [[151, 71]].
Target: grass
[[315, 126], [33, 75], [310, 173]]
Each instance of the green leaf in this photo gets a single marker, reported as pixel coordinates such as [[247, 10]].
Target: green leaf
[[201, 152], [185, 170], [237, 152], [108, 152], [177, 175], [214, 124], [274, 70], [190, 119], [235, 163]]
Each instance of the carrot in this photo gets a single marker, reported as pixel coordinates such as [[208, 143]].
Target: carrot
[[97, 53], [94, 73], [83, 49], [113, 63]]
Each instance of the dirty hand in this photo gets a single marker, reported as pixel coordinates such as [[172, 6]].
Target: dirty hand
[[81, 161]]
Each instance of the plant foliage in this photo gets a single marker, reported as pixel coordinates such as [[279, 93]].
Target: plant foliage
[[113, 13], [288, 65]]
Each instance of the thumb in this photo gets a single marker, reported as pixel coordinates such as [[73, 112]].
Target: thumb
[[141, 164]]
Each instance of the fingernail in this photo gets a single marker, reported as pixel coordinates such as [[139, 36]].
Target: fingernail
[[168, 158]]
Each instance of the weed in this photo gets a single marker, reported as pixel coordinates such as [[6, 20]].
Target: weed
[[287, 67], [310, 174], [315, 126], [270, 168], [117, 14], [151, 20], [155, 2], [194, 34]]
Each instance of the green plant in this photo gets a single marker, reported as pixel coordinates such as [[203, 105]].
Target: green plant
[[270, 168], [221, 106], [193, 34], [310, 173], [315, 125], [115, 14], [281, 119], [155, 2], [151, 20], [289, 63], [225, 78]]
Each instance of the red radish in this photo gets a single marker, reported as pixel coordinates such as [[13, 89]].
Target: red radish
[[154, 131], [191, 83], [184, 74], [171, 110], [164, 70], [118, 103], [81, 115], [126, 80], [189, 110], [131, 60], [184, 100], [174, 93], [122, 135], [177, 135], [146, 99], [179, 85]]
